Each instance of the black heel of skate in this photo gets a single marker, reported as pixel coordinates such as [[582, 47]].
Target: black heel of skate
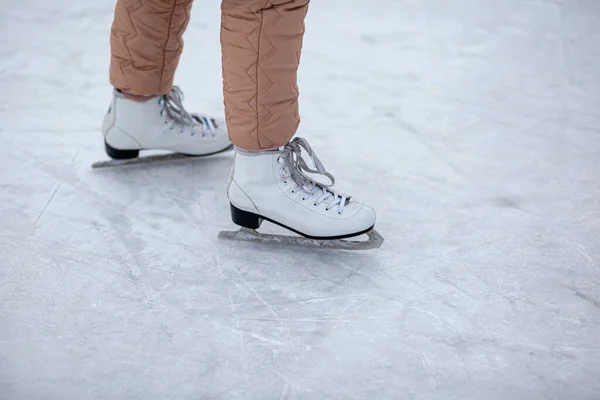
[[120, 154], [244, 218]]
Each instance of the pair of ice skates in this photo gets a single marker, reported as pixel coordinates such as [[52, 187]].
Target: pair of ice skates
[[269, 185]]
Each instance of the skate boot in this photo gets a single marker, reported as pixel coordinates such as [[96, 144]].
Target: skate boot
[[160, 123], [275, 186]]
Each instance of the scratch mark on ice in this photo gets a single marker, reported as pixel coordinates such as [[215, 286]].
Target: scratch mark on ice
[[47, 203], [325, 298], [201, 228], [581, 249], [454, 285], [284, 390], [77, 152], [307, 320], [269, 305], [587, 298], [242, 344], [435, 317], [461, 365], [427, 363], [262, 338]]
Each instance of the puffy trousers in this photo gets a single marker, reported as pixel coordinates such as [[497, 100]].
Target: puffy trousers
[[261, 42]]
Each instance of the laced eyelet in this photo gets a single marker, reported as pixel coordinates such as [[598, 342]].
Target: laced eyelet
[[280, 160], [339, 213]]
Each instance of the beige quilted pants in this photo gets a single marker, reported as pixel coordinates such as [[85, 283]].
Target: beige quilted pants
[[261, 42]]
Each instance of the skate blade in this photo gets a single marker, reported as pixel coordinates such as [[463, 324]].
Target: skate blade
[[375, 240], [153, 159]]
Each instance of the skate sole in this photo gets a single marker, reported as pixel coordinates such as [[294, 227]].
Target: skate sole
[[252, 221], [127, 157]]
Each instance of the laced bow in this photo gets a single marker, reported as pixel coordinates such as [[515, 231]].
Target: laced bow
[[297, 168], [172, 104]]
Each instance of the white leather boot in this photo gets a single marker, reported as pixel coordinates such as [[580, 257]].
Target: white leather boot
[[160, 123], [273, 186]]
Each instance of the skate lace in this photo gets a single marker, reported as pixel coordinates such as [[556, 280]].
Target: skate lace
[[296, 169], [172, 106]]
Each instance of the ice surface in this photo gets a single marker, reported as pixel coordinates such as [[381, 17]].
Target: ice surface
[[473, 128]]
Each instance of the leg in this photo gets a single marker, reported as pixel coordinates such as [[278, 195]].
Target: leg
[[147, 111], [146, 43], [261, 44]]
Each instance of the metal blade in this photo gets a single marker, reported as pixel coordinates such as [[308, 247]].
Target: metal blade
[[157, 158], [141, 160], [375, 240]]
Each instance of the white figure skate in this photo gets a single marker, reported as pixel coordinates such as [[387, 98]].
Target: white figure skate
[[274, 186], [161, 123]]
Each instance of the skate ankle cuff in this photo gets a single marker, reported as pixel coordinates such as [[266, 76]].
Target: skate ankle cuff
[[251, 153]]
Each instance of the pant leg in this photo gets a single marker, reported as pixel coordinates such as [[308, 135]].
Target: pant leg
[[261, 42], [146, 43]]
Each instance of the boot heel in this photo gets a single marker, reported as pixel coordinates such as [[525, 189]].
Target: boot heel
[[120, 154], [245, 218]]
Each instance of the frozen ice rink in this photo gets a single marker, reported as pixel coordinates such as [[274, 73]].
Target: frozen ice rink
[[471, 126]]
